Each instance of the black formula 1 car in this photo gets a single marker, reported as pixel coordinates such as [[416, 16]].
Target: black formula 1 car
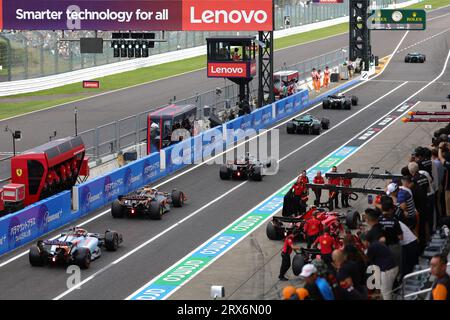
[[74, 246], [415, 57], [307, 124], [247, 167], [147, 202], [339, 102]]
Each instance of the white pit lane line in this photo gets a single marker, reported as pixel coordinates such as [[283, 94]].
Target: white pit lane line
[[224, 152], [283, 187]]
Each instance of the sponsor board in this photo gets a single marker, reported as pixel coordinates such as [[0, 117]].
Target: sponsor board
[[90, 84], [137, 15], [227, 70]]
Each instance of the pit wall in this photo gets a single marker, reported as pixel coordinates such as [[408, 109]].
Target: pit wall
[[52, 213]]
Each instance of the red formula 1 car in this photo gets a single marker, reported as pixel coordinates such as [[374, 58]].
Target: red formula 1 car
[[280, 227]]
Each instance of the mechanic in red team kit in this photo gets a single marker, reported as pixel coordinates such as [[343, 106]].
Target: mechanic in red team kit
[[327, 245], [286, 256], [345, 194], [334, 195], [318, 179], [312, 228], [300, 196]]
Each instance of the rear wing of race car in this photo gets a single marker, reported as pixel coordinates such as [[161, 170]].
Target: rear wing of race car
[[132, 198], [56, 243]]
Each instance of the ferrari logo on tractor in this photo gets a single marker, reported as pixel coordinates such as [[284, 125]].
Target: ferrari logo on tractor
[[19, 172]]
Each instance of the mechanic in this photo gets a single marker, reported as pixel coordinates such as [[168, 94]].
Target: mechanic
[[441, 285], [326, 77], [312, 228], [304, 178], [318, 179], [346, 194], [379, 255], [392, 229], [300, 196], [327, 245], [286, 256], [318, 287], [334, 195], [444, 156]]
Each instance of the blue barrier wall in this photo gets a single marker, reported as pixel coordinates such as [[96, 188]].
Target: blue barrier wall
[[32, 222], [40, 218]]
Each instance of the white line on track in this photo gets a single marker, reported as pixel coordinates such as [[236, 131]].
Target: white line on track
[[222, 153], [63, 294], [148, 241], [424, 40], [245, 236]]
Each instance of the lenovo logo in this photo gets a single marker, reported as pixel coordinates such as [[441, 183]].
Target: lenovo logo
[[233, 17], [220, 70], [206, 15]]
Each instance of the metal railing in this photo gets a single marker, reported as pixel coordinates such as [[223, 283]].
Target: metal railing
[[412, 275]]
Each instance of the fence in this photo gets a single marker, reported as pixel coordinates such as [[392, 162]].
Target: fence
[[33, 54], [116, 136]]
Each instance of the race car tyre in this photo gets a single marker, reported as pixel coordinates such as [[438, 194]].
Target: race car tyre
[[225, 173], [326, 104], [156, 210], [354, 100], [316, 129], [325, 123], [117, 209], [297, 264], [352, 219], [257, 174], [177, 198], [111, 240], [290, 128], [406, 60], [347, 105], [35, 257], [422, 60], [83, 258], [272, 232]]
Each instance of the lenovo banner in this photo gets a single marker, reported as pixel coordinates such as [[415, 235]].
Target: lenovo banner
[[137, 15], [231, 69]]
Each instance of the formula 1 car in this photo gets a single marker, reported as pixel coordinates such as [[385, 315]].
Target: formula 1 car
[[148, 202], [307, 124], [415, 57], [74, 246], [280, 227], [247, 167], [339, 102]]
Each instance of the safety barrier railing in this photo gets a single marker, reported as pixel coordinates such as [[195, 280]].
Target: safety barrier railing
[[412, 275]]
